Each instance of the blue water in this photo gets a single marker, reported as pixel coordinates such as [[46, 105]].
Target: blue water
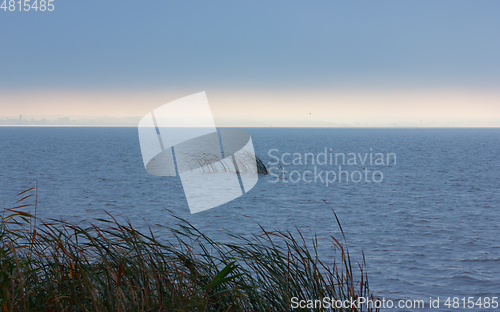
[[430, 228]]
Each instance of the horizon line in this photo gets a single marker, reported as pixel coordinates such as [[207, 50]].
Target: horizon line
[[318, 127]]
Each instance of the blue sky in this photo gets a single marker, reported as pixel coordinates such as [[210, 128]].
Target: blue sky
[[252, 46]]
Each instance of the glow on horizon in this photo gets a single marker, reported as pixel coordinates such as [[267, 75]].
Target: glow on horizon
[[247, 108]]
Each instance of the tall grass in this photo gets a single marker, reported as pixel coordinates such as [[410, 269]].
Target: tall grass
[[60, 266], [244, 162]]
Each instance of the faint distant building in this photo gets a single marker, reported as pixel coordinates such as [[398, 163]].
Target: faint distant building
[[20, 117]]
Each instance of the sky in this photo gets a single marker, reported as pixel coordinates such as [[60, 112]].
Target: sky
[[261, 63]]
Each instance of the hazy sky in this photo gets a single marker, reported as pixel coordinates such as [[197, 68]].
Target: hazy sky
[[260, 62]]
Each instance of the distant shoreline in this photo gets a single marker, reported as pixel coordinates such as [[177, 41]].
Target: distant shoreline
[[266, 127]]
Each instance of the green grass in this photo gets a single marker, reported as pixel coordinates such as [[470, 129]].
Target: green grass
[[245, 162], [59, 266]]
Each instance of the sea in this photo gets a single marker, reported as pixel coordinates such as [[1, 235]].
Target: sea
[[422, 205]]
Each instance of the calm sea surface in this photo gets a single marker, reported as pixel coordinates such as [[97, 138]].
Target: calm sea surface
[[429, 228]]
